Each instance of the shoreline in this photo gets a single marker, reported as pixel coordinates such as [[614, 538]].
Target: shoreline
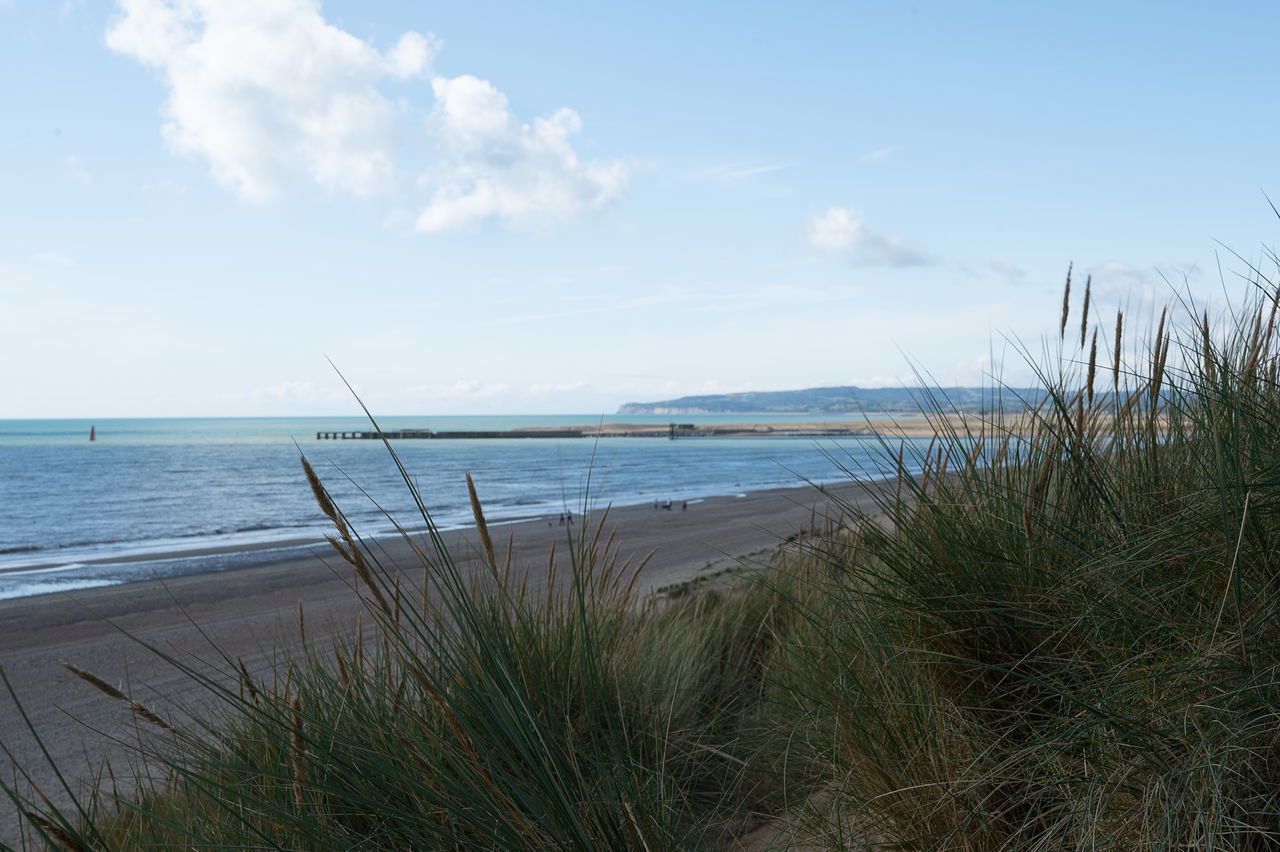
[[251, 614], [83, 565], [257, 552]]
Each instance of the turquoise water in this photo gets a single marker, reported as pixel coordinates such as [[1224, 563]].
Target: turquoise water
[[151, 486]]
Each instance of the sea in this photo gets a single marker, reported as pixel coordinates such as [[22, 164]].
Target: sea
[[165, 497]]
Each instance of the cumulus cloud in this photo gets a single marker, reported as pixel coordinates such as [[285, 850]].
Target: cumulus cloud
[[840, 232], [269, 93], [272, 96], [491, 164]]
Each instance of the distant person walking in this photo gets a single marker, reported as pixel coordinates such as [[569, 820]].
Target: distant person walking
[[684, 505]]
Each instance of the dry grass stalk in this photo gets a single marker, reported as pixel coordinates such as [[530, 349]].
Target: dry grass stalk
[[1080, 423], [481, 527], [1093, 365], [1157, 372], [56, 834], [351, 554], [322, 498], [1066, 305], [357, 656], [1002, 452], [1115, 359], [107, 689], [344, 677], [1157, 363], [346, 547], [1084, 315], [246, 683], [395, 602], [1207, 344]]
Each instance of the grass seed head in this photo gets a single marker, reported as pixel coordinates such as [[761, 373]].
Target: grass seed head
[[1066, 304], [1115, 358], [1084, 313], [1093, 365]]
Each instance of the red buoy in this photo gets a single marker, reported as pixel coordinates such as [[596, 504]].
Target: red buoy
[[91, 433]]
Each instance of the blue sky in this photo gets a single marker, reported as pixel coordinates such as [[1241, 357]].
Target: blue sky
[[536, 208]]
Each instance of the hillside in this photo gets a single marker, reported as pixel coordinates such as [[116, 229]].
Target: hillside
[[845, 399]]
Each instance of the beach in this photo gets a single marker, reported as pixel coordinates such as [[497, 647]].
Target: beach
[[251, 614]]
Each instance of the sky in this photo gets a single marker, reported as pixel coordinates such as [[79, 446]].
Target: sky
[[211, 207]]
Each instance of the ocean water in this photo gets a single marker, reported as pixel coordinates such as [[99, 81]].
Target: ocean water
[[181, 486]]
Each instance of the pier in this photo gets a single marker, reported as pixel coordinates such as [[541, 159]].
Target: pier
[[670, 431], [429, 434]]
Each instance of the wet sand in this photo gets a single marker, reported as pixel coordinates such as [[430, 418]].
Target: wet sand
[[252, 613]]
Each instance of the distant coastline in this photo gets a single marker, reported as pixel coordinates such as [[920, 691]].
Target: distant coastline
[[838, 401]]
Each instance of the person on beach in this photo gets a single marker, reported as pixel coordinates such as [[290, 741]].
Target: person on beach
[[668, 505], [684, 505]]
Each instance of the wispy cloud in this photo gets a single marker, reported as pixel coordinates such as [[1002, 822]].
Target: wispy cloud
[[53, 258], [877, 155], [739, 171], [1149, 286], [1006, 271], [840, 232], [665, 296]]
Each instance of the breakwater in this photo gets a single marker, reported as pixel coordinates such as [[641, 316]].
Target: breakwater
[[613, 430]]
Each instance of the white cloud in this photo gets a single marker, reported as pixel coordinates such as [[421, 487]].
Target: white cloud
[[491, 164], [840, 232], [272, 96], [269, 93]]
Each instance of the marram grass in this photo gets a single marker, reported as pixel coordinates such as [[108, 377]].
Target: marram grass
[[1062, 634]]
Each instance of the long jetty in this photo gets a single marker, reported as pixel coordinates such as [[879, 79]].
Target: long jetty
[[617, 430], [428, 433]]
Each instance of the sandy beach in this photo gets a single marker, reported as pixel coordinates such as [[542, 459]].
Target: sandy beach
[[250, 613]]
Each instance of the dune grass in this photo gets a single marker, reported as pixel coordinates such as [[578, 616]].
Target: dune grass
[[1063, 633]]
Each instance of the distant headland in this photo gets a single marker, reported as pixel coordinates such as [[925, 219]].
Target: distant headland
[[843, 399]]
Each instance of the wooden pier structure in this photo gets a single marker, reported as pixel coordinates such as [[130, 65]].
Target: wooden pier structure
[[617, 430], [427, 433]]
